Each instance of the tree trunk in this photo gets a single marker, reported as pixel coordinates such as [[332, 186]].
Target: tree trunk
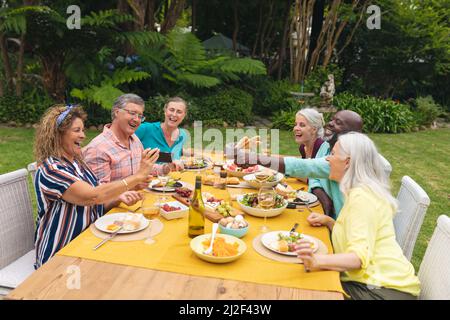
[[20, 66], [138, 7], [194, 16], [54, 79], [173, 13], [258, 32], [6, 63], [2, 88], [317, 22], [284, 40], [236, 24]]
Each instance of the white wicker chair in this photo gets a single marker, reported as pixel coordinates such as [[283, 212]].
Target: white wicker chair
[[434, 271], [17, 255], [32, 168], [386, 165], [413, 203]]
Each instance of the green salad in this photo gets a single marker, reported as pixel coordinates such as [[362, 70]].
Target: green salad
[[251, 200]]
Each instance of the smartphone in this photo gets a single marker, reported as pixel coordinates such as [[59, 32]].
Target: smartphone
[[165, 157]]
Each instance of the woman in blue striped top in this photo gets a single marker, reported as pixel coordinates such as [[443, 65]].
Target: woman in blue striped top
[[69, 196]]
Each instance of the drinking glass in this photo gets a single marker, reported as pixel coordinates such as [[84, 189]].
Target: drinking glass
[[266, 200], [163, 176]]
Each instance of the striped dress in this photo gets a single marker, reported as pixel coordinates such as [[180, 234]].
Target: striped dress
[[59, 222]]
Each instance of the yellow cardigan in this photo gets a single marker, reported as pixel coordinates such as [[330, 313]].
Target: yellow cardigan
[[365, 227]]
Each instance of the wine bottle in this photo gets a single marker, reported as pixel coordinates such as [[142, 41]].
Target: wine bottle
[[196, 211]]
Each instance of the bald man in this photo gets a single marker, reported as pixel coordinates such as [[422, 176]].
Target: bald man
[[317, 169]]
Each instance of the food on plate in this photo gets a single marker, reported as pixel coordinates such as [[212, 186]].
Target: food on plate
[[291, 240], [237, 222], [211, 179], [184, 192], [170, 184], [235, 168], [112, 227], [282, 246], [210, 200], [169, 208], [132, 221], [195, 164], [285, 190], [232, 180], [221, 248], [265, 177], [251, 200]]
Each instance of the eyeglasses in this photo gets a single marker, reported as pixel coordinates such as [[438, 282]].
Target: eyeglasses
[[135, 114]]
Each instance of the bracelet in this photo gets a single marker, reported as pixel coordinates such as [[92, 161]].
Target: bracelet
[[125, 183]]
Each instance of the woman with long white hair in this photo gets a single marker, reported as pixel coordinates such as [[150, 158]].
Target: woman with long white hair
[[371, 262]]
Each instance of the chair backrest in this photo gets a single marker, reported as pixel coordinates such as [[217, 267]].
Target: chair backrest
[[386, 165], [32, 168], [16, 217], [413, 203], [434, 272]]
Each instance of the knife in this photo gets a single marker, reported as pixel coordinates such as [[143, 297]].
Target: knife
[[107, 239]]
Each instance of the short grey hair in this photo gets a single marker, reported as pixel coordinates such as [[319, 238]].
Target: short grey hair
[[124, 99], [315, 119]]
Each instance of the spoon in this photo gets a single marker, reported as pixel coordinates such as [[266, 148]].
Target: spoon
[[214, 230]]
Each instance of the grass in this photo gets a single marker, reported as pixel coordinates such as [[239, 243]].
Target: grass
[[424, 156]]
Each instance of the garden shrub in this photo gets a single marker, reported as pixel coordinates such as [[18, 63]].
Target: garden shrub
[[284, 119], [380, 116], [24, 110], [426, 111], [271, 96], [228, 104]]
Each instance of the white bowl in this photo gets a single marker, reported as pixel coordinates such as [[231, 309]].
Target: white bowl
[[169, 215], [198, 248], [251, 180], [258, 212]]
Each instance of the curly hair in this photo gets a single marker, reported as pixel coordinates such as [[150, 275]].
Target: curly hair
[[48, 140]]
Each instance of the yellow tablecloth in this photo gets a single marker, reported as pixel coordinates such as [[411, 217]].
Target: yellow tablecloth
[[171, 251]]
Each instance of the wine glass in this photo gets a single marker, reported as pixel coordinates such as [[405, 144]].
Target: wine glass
[[163, 176], [266, 200]]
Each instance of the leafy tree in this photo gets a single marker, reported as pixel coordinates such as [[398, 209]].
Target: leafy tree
[[408, 57]]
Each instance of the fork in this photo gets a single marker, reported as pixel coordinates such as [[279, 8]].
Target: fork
[[214, 230]]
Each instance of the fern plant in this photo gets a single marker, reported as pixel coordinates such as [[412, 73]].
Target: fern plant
[[180, 58], [107, 92]]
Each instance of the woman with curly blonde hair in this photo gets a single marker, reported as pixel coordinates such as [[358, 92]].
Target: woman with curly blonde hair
[[69, 196]]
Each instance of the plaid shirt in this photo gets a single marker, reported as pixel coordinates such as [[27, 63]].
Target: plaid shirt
[[109, 159]]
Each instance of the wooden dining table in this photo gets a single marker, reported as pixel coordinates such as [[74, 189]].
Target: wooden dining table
[[70, 277]]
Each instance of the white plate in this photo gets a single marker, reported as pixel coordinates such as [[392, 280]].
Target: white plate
[[259, 212], [270, 239], [103, 222], [163, 189], [251, 180], [306, 196]]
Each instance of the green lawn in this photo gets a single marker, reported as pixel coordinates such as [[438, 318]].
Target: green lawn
[[424, 156]]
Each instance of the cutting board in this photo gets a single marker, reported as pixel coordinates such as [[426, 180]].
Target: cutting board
[[210, 214]]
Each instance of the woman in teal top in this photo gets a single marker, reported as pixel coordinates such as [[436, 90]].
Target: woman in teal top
[[166, 136]]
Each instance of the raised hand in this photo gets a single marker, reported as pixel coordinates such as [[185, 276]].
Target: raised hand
[[130, 197]]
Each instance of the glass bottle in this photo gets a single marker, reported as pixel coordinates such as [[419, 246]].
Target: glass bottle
[[196, 211]]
